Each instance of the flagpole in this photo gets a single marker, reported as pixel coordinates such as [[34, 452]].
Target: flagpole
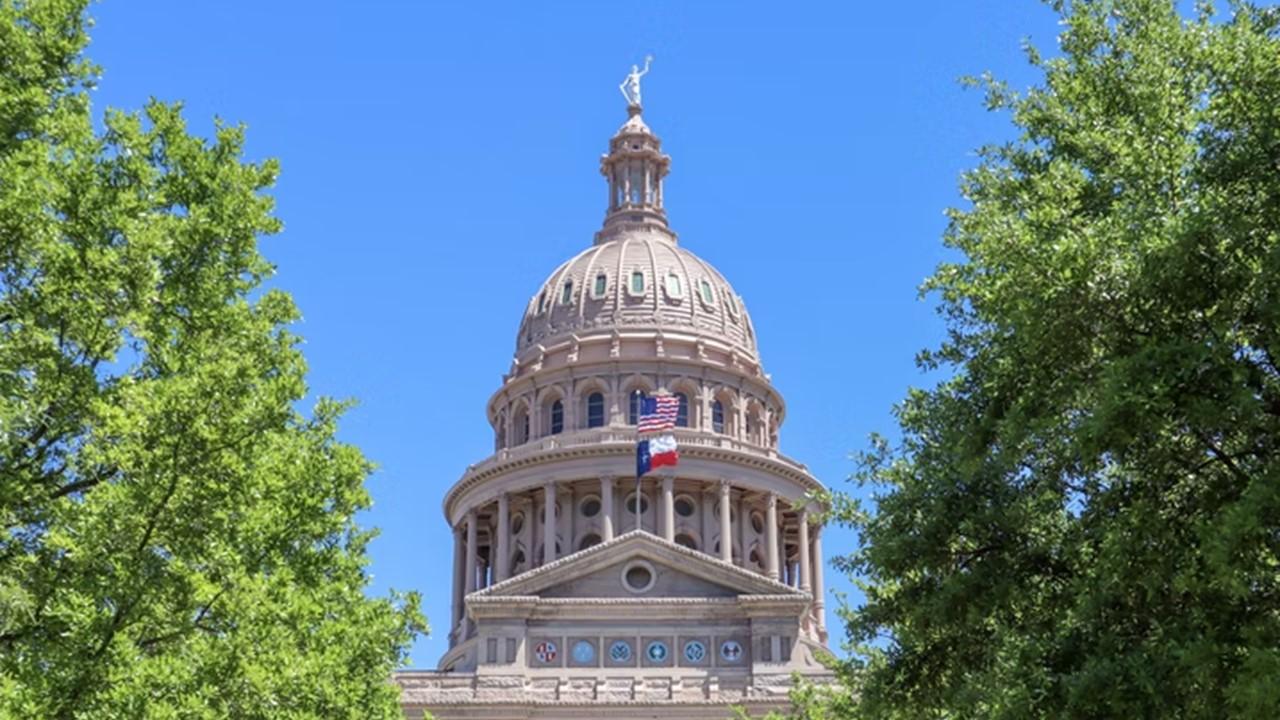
[[639, 476]]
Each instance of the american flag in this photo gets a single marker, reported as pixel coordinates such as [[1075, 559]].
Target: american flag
[[658, 413]]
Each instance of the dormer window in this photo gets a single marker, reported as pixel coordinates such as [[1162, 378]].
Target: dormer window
[[675, 290], [602, 284], [542, 302], [733, 307], [566, 295], [637, 283], [708, 298]]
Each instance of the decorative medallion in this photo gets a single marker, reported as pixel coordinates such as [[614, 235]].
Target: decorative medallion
[[695, 651], [545, 652], [657, 651], [620, 651], [584, 653], [731, 651]]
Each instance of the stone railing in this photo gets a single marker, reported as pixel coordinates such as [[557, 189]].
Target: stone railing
[[427, 688], [685, 437]]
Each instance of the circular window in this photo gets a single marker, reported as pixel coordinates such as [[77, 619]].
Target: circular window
[[517, 523], [685, 506], [620, 651], [731, 651], [584, 653], [638, 576], [631, 504], [656, 651], [590, 507], [757, 522], [695, 651]]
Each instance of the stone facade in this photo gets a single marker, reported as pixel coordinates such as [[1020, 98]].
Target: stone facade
[[579, 591]]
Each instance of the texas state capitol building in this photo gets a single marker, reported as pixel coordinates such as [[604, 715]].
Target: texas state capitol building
[[561, 607]]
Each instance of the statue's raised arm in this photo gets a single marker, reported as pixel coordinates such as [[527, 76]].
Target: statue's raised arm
[[630, 86]]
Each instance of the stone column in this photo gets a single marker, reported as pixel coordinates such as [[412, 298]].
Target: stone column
[[549, 523], [726, 525], [459, 576], [502, 566], [819, 607], [668, 509], [806, 570], [471, 551], [771, 537], [606, 508]]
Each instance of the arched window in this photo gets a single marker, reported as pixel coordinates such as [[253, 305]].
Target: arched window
[[674, 287], [717, 416], [687, 540], [521, 427], [566, 296], [542, 302], [501, 440], [682, 415], [634, 407], [595, 410], [557, 417], [588, 541], [751, 428]]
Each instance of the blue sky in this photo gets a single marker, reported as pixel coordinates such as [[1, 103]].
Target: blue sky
[[440, 159]]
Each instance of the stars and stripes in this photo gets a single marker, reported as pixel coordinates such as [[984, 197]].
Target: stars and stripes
[[656, 446], [658, 413]]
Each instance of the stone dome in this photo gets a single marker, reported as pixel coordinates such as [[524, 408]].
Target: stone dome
[[639, 280]]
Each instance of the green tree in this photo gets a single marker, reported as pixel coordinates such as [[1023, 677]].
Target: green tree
[[178, 540], [1084, 520]]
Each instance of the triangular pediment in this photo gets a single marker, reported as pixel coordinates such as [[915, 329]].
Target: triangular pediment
[[602, 572]]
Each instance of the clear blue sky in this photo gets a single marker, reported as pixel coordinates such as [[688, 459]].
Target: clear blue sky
[[439, 160]]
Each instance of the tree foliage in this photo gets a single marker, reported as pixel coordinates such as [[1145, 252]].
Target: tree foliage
[[178, 540], [1084, 520]]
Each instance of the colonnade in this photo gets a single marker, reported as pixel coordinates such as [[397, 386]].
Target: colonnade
[[802, 568]]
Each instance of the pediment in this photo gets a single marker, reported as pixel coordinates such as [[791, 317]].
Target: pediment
[[601, 572]]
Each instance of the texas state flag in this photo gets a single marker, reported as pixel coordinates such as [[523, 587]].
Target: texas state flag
[[654, 453]]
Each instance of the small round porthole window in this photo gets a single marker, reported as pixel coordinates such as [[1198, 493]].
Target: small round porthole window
[[684, 506], [638, 576]]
